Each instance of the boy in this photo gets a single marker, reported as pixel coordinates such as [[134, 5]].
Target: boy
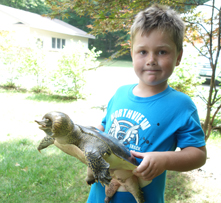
[[151, 118]]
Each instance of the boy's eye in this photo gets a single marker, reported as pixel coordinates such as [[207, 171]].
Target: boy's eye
[[143, 52], [162, 52]]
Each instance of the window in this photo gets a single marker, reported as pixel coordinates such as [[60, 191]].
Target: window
[[58, 43], [53, 43], [63, 43]]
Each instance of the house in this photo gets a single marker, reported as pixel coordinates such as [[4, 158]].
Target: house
[[53, 34]]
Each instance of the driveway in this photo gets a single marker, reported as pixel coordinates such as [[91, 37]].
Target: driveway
[[103, 83]]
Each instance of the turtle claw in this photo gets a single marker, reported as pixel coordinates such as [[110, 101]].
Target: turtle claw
[[105, 181], [99, 167], [104, 178]]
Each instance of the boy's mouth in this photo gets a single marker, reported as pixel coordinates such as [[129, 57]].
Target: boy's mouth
[[152, 70]]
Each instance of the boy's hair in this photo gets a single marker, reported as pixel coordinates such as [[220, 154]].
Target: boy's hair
[[162, 18]]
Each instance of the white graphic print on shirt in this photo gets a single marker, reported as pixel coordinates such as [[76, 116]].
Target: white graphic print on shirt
[[126, 125]]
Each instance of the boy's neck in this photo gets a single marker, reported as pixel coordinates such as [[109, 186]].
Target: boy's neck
[[147, 91]]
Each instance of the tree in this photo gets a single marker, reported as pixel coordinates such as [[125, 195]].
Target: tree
[[113, 16], [104, 42], [34, 6], [68, 79], [204, 32]]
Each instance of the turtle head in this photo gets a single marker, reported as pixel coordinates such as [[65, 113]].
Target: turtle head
[[56, 124], [46, 125]]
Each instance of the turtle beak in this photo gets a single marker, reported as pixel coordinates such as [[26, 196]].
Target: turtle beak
[[41, 123], [44, 124]]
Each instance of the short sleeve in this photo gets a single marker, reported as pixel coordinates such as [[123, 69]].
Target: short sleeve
[[191, 134], [103, 122]]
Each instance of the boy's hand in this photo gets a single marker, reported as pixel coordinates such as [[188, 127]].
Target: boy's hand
[[153, 164]]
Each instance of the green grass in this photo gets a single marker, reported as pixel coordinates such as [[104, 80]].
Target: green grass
[[28, 176], [178, 187], [215, 139]]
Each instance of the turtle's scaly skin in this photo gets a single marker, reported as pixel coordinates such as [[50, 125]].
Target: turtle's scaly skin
[[98, 150], [46, 142]]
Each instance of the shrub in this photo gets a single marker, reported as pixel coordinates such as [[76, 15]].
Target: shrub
[[186, 77], [33, 64], [75, 60], [10, 59]]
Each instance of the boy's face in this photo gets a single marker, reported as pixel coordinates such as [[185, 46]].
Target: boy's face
[[154, 57]]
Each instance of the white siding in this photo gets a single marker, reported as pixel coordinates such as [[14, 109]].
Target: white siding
[[46, 37], [24, 34], [7, 22]]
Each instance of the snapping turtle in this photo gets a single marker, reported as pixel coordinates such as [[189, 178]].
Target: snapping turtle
[[107, 159]]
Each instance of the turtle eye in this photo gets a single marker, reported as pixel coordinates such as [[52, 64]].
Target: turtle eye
[[48, 122]]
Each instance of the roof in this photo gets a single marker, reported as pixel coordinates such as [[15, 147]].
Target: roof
[[44, 23]]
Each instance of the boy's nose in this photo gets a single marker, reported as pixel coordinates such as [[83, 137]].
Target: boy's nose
[[151, 60]]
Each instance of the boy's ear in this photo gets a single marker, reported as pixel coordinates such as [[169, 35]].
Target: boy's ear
[[179, 58]]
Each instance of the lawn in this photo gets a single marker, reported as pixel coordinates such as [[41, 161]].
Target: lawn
[[25, 174], [28, 176]]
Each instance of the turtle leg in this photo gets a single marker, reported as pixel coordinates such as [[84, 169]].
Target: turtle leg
[[90, 177], [111, 189], [99, 166], [131, 184], [47, 140]]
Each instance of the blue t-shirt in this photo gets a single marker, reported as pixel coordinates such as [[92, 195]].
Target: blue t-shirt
[[161, 122]]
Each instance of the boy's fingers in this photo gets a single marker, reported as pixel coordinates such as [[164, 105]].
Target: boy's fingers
[[137, 154], [142, 167]]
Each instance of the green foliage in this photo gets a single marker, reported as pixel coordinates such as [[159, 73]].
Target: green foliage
[[39, 89], [204, 33], [186, 77], [33, 63], [10, 59], [115, 18], [35, 6], [111, 18], [19, 61], [29, 63], [69, 78]]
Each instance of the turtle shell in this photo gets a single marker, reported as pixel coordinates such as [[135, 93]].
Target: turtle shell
[[116, 147]]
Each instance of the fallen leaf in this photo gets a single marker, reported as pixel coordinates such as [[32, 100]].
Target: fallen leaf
[[25, 169]]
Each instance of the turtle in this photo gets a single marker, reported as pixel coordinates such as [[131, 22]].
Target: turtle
[[108, 160]]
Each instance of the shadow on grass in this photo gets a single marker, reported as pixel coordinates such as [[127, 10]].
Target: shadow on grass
[[29, 176], [51, 98], [179, 188], [13, 89], [53, 176], [41, 96]]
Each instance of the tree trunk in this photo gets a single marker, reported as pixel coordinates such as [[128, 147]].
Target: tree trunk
[[207, 128]]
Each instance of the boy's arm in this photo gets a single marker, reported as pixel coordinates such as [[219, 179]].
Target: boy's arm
[[100, 127], [155, 163]]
